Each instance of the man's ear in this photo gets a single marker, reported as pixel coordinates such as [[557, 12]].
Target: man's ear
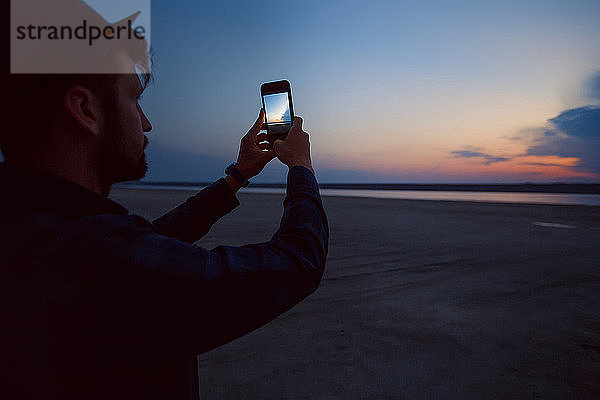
[[84, 107]]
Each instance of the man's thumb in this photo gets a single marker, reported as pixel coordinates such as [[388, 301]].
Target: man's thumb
[[268, 155], [277, 144], [297, 123]]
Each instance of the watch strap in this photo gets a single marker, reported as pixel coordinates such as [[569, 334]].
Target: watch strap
[[236, 174]]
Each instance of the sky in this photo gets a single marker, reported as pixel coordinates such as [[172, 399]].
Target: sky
[[389, 91]]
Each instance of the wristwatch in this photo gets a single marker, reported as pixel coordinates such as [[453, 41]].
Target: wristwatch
[[236, 174]]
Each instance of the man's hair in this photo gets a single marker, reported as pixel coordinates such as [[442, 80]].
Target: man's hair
[[36, 100]]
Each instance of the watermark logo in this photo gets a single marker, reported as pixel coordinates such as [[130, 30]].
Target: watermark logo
[[80, 37]]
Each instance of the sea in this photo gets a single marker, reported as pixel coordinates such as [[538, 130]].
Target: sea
[[447, 195]]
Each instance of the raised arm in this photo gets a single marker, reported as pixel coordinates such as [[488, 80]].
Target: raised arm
[[170, 297], [194, 218], [190, 300]]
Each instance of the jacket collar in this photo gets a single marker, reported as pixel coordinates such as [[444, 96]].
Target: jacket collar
[[42, 190]]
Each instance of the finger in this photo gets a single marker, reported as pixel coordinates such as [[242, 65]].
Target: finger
[[257, 125], [276, 144], [263, 127], [297, 124], [264, 146], [262, 137], [268, 155]]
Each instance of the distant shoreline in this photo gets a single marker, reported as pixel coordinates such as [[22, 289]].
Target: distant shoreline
[[571, 188]]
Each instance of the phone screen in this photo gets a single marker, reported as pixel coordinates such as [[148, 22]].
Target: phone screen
[[277, 108]]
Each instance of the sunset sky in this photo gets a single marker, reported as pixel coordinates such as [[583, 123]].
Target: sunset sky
[[390, 91], [277, 108]]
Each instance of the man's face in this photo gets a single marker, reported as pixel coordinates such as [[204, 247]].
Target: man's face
[[121, 150]]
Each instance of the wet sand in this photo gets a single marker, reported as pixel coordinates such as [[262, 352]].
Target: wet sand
[[420, 300]]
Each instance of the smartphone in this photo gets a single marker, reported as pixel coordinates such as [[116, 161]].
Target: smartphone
[[277, 102]]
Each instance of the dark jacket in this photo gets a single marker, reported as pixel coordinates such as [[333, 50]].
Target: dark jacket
[[98, 303]]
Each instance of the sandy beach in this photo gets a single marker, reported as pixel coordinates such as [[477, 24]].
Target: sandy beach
[[420, 300]]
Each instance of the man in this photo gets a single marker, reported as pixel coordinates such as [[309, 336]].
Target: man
[[101, 304]]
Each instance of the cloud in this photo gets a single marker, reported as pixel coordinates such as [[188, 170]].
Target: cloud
[[572, 133], [541, 164], [487, 158], [578, 122], [593, 87], [514, 138]]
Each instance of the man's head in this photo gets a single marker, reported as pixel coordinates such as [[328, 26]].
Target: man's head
[[93, 119], [122, 141]]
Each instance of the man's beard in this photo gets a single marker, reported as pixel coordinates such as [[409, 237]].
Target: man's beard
[[112, 168]]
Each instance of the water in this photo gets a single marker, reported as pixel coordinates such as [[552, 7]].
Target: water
[[490, 197]]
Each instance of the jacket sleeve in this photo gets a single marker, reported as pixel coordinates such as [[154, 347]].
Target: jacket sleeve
[[183, 299], [194, 218]]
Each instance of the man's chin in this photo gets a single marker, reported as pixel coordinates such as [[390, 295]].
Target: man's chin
[[140, 170], [117, 172]]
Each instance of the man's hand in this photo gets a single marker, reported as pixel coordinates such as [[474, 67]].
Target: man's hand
[[295, 149], [254, 156]]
